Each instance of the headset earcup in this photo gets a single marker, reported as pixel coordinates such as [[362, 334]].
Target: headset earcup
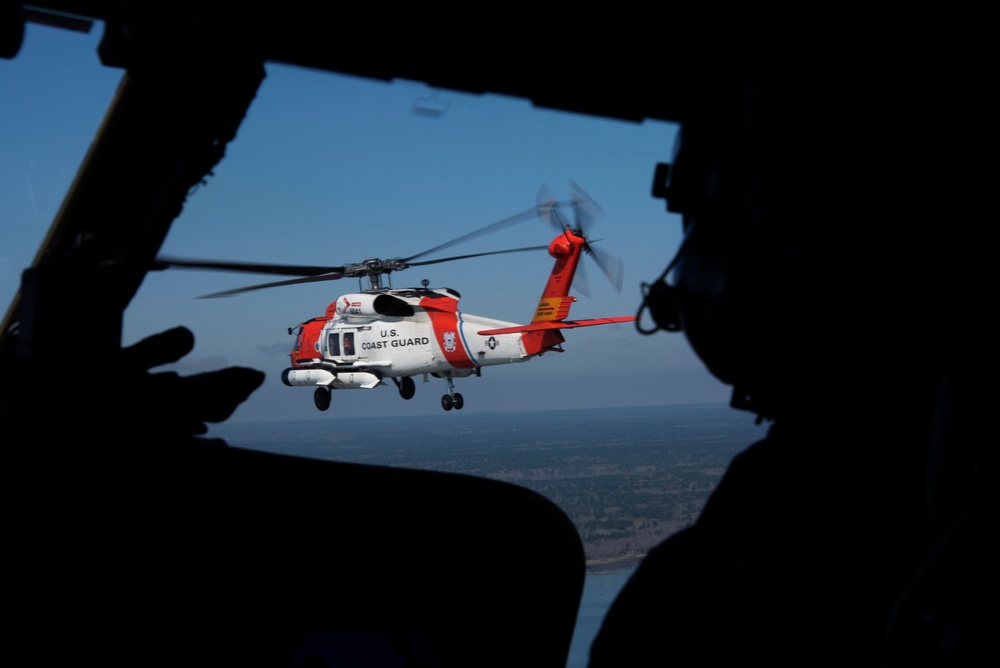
[[661, 300], [742, 306]]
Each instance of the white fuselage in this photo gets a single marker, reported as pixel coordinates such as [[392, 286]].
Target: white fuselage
[[421, 343], [368, 336]]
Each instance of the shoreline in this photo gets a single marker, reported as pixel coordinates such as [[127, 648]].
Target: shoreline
[[611, 564]]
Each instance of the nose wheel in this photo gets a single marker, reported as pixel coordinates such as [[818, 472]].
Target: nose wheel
[[453, 399]]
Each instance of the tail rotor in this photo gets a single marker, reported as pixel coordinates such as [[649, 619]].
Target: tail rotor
[[586, 212]]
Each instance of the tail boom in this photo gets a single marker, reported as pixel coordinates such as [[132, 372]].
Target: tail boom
[[564, 324]]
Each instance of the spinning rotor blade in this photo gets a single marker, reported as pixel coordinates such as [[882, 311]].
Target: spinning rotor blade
[[493, 227], [260, 286], [332, 276], [462, 257], [611, 265], [548, 208], [586, 211], [372, 267], [166, 262], [580, 282]]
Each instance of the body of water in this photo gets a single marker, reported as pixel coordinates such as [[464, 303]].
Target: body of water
[[599, 590], [654, 464]]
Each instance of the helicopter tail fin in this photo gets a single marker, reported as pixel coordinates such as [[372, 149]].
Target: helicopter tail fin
[[555, 302], [543, 333]]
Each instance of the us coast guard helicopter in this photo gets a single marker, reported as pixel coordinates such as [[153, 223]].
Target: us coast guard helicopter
[[381, 333]]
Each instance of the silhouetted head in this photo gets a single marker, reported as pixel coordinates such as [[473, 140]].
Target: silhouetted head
[[808, 267]]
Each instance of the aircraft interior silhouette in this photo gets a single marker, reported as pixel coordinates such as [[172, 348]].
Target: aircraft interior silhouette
[[837, 271]]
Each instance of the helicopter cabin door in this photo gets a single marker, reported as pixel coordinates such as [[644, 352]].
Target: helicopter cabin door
[[348, 349], [341, 345], [332, 344]]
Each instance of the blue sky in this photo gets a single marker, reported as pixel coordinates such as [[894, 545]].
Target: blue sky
[[329, 169]]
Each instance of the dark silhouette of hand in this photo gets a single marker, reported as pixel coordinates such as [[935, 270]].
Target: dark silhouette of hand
[[120, 400]]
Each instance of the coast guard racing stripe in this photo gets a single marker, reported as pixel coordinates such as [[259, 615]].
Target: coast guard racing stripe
[[448, 331]]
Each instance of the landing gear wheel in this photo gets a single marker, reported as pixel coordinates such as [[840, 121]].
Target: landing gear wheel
[[458, 401], [407, 388], [447, 402], [322, 398]]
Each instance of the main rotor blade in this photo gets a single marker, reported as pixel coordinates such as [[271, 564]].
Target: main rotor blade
[[462, 257], [260, 286], [493, 227], [166, 262], [312, 274], [333, 276]]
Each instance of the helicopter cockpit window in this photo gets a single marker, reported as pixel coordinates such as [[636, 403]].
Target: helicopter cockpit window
[[321, 141]]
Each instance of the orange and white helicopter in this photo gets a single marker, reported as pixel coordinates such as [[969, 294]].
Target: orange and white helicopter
[[381, 333]]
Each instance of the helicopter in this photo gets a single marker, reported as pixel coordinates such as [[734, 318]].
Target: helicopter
[[380, 333]]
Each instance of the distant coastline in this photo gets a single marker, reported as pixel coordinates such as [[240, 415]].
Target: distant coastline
[[614, 564], [477, 414], [628, 478]]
